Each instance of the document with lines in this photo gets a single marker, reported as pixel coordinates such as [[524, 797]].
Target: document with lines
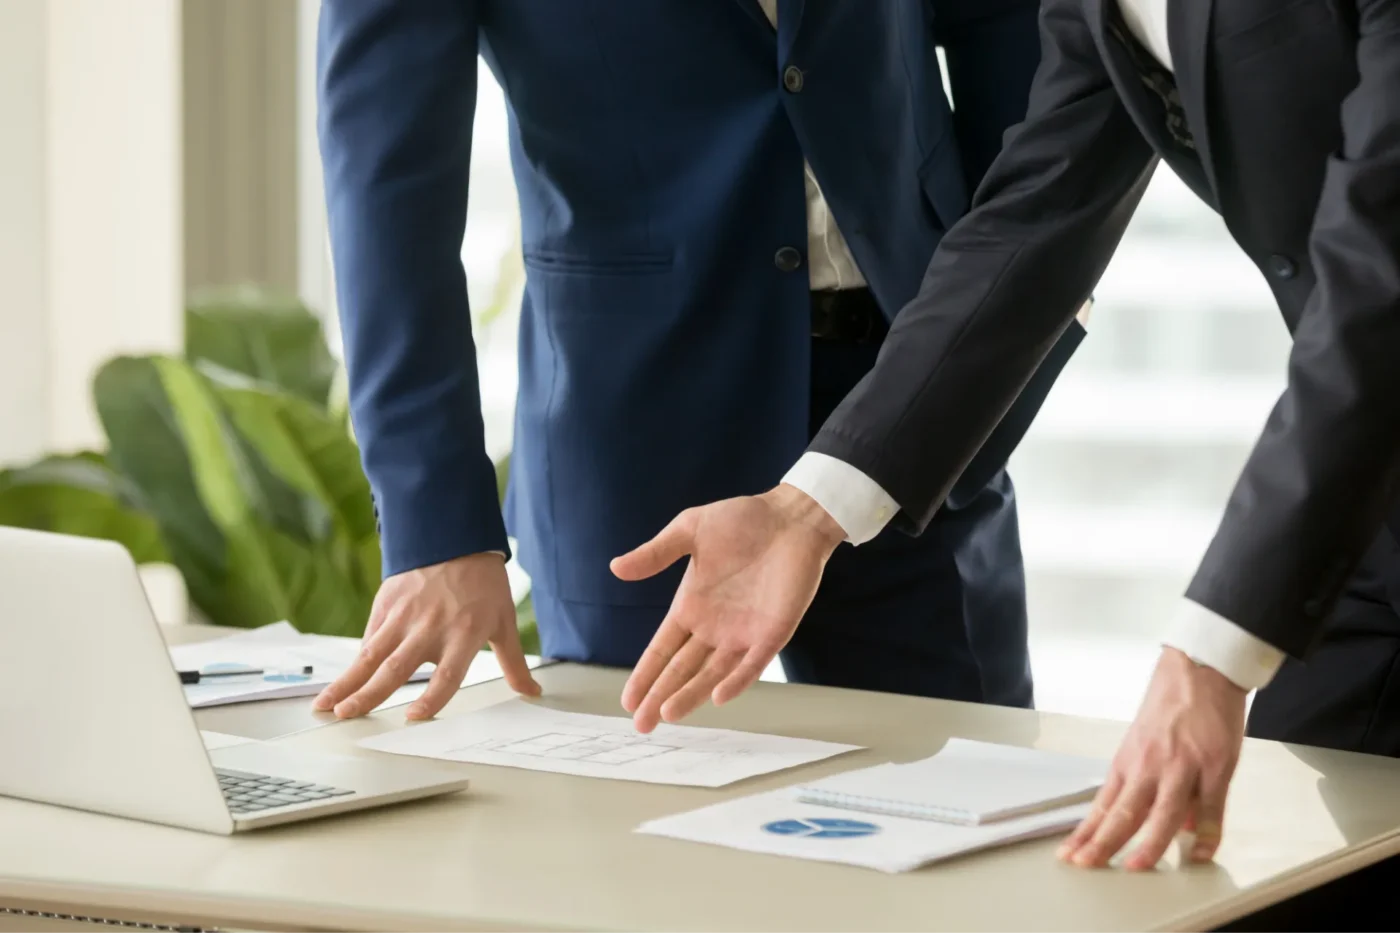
[[519, 734]]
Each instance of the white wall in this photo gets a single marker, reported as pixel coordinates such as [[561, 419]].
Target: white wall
[[23, 230], [90, 221]]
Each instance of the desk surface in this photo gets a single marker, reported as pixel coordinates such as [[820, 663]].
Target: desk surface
[[533, 850]]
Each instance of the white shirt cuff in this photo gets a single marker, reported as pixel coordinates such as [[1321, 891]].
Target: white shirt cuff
[[856, 501], [1213, 640]]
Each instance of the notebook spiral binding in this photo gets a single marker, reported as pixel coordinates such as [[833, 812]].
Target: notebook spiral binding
[[97, 921], [886, 807]]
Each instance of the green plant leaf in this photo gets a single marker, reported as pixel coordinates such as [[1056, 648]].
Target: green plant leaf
[[502, 477], [80, 495], [510, 277], [305, 448], [146, 446], [274, 577], [527, 625], [339, 402], [172, 436], [274, 340]]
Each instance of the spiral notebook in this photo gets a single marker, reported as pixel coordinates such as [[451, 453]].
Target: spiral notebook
[[967, 783]]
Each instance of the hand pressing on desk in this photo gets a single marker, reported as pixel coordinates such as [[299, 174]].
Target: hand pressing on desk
[[755, 563], [1172, 771], [444, 613]]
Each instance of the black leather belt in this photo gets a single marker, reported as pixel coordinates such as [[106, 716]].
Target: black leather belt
[[850, 315]]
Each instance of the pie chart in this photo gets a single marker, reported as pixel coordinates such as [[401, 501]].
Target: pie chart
[[812, 827]]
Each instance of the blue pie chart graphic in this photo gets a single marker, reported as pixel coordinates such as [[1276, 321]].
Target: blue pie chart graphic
[[821, 828]]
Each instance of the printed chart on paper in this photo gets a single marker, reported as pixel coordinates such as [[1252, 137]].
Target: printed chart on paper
[[519, 734]]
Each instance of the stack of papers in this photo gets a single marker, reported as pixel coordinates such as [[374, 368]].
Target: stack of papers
[[781, 822], [519, 734], [284, 651]]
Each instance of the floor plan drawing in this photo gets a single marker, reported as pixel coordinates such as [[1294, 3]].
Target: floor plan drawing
[[530, 735], [605, 748]]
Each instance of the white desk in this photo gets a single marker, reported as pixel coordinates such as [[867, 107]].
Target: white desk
[[531, 850]]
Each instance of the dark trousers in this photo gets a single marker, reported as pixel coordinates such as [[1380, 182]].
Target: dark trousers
[[940, 615]]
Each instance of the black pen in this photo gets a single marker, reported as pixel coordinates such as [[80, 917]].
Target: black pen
[[194, 677]]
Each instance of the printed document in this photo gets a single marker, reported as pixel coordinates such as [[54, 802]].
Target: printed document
[[519, 734], [777, 823]]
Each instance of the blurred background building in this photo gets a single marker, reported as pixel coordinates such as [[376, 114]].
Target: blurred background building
[[152, 147]]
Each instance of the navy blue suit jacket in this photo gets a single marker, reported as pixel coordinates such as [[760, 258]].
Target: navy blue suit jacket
[[664, 356]]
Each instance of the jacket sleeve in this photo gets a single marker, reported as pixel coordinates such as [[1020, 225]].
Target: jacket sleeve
[[1323, 475], [992, 51], [1005, 282], [397, 94]]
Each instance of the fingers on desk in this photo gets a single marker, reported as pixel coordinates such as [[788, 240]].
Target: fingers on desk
[[374, 649], [1175, 795], [1210, 813], [447, 679], [1088, 828], [393, 671], [1158, 807], [510, 656], [1122, 817]]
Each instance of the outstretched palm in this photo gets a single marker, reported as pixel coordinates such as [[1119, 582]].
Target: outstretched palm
[[755, 563]]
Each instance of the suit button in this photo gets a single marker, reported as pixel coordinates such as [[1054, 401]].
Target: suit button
[[787, 259], [1281, 267], [792, 78]]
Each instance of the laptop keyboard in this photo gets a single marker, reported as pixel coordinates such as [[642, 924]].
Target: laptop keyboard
[[251, 793]]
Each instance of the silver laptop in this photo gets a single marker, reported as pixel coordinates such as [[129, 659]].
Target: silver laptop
[[93, 716]]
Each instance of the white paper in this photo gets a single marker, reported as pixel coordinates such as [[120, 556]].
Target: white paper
[[217, 740], [776, 823], [280, 647], [517, 734], [966, 782]]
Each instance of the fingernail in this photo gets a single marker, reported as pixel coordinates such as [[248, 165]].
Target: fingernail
[[1084, 859], [1063, 852], [416, 712], [1202, 853]]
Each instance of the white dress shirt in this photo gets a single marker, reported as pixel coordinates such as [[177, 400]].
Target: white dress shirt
[[830, 264], [862, 508]]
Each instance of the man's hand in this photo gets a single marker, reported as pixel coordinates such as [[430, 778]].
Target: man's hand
[[444, 613], [1172, 771], [754, 568]]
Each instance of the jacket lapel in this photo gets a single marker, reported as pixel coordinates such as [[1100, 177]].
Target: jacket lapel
[[1188, 34], [755, 12], [789, 21]]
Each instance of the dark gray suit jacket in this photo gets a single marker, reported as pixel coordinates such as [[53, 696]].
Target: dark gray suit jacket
[[1294, 107]]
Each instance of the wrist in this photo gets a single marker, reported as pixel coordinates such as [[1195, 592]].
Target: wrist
[[801, 510], [1202, 676]]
